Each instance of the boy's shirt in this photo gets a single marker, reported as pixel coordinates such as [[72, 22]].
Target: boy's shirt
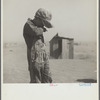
[[32, 33]]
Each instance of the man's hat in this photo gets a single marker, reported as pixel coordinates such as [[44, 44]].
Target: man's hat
[[45, 16]]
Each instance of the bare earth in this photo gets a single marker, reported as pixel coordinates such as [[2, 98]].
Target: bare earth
[[82, 68]]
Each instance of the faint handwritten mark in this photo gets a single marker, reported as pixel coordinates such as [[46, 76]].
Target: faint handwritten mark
[[51, 84], [84, 84]]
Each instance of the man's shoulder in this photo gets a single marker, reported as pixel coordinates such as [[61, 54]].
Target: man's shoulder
[[28, 23], [30, 27]]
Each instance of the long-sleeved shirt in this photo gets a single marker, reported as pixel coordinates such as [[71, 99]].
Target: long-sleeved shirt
[[32, 33]]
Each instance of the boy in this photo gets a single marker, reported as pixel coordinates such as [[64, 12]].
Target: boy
[[38, 61]]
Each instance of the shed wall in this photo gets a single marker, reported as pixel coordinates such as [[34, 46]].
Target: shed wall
[[61, 48]]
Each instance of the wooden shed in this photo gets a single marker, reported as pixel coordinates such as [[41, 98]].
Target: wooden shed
[[61, 47]]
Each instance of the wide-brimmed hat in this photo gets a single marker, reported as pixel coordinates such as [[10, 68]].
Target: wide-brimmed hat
[[46, 17]]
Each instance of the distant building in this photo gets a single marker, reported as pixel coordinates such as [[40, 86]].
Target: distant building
[[61, 47]]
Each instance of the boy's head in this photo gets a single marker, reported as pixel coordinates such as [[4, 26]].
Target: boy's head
[[44, 16]]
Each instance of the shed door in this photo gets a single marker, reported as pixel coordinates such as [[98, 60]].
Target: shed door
[[60, 49], [65, 49], [71, 49]]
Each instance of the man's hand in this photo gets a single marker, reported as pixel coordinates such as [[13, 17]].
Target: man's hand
[[44, 29], [39, 31]]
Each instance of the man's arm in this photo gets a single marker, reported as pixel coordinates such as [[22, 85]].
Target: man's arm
[[36, 30], [32, 32]]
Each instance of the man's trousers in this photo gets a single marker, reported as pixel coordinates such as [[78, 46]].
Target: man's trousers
[[39, 72]]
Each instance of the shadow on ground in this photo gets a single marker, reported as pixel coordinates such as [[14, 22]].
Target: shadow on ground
[[87, 80]]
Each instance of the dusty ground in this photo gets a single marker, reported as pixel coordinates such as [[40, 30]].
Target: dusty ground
[[81, 69]]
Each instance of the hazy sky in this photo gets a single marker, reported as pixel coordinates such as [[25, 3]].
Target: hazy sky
[[71, 18]]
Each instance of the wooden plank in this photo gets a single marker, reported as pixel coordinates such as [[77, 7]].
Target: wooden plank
[[65, 49]]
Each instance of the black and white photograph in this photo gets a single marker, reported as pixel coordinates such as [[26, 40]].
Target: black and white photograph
[[49, 41], [49, 49]]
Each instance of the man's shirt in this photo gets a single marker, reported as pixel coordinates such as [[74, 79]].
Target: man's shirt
[[32, 33]]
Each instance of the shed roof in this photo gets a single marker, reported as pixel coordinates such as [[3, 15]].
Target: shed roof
[[61, 37]]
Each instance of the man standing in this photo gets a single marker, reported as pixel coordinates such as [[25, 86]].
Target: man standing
[[38, 62]]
